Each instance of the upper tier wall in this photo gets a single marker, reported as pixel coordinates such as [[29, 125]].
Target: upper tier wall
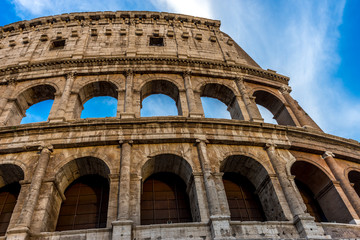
[[117, 34]]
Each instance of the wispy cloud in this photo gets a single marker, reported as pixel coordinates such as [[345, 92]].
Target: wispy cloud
[[199, 8]]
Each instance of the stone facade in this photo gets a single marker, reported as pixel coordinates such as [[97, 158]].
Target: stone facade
[[72, 58]]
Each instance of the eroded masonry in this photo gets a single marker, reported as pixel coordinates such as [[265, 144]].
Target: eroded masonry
[[145, 178]]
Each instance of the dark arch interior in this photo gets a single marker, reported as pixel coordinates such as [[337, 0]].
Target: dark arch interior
[[244, 167], [244, 204], [312, 205], [275, 106], [86, 204], [322, 190], [81, 167], [354, 178], [8, 198], [10, 175], [167, 163], [225, 95], [161, 87], [164, 200]]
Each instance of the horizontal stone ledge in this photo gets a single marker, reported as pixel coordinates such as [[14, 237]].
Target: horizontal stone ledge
[[15, 69]]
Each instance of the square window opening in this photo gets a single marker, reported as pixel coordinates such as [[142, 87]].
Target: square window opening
[[57, 44], [156, 41]]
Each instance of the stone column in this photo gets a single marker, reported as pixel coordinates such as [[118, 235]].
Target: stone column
[[128, 102], [344, 181], [60, 112], [193, 109], [304, 223], [220, 225], [123, 226], [224, 206], [302, 117], [21, 231], [200, 194], [9, 89], [250, 104]]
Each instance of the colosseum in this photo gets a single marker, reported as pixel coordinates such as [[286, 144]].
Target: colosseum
[[131, 177]]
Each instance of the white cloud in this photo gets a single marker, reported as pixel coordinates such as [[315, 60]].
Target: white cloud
[[199, 8]]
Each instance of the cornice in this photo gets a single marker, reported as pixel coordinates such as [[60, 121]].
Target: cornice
[[108, 17], [86, 62], [254, 134]]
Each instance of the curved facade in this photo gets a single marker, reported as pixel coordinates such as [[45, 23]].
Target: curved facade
[[179, 177]]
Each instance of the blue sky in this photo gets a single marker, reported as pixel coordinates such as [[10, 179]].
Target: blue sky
[[315, 43]]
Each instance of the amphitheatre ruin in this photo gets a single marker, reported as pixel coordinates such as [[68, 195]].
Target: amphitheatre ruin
[[130, 177]]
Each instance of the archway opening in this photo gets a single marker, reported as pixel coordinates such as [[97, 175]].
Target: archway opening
[[354, 178], [317, 188], [245, 172], [266, 115], [214, 108], [97, 99], [10, 175], [244, 204], [158, 97], [38, 112], [32, 105], [164, 200], [224, 95], [158, 105], [169, 171], [100, 107], [85, 205], [275, 106]]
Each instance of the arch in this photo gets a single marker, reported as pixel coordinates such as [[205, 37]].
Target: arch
[[10, 175], [27, 98], [322, 190], [80, 167], [244, 204], [164, 200], [250, 169], [275, 106], [167, 163], [161, 87], [169, 172], [354, 178], [93, 89], [225, 95], [85, 205]]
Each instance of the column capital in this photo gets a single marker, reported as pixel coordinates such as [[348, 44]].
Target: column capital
[[285, 89], [70, 75], [128, 72], [198, 140], [46, 147], [270, 146], [11, 81], [187, 73], [327, 154], [130, 142]]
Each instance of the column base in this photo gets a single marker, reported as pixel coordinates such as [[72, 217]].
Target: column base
[[18, 233], [127, 115], [220, 227], [56, 120], [259, 120], [122, 230], [196, 115], [355, 221], [307, 228]]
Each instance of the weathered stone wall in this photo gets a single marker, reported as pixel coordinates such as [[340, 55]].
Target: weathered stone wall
[[108, 54]]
